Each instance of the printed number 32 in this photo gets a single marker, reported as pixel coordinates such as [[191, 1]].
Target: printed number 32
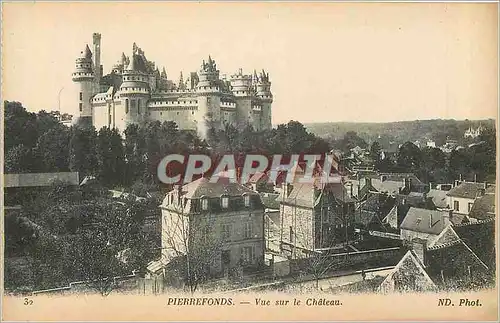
[[28, 301]]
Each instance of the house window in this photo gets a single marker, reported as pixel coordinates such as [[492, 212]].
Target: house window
[[226, 232], [456, 205], [81, 96], [246, 198], [81, 107], [247, 230], [469, 207], [225, 202], [204, 204], [248, 254]]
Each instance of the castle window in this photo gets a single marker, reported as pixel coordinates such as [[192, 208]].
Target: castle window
[[81, 107], [81, 96], [126, 106], [161, 113]]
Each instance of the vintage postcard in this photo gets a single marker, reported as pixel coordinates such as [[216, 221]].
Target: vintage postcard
[[243, 161]]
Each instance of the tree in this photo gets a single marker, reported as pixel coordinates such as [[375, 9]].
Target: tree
[[110, 157], [20, 126], [409, 158], [376, 152], [18, 159], [192, 243], [83, 150], [52, 149]]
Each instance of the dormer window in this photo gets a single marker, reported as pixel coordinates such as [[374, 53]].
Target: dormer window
[[224, 200], [204, 204], [246, 199]]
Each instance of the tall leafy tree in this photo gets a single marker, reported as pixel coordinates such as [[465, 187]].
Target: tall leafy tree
[[82, 156], [110, 157]]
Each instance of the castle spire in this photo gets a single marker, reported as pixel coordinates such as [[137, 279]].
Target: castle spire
[[131, 65], [86, 53], [181, 82], [163, 73]]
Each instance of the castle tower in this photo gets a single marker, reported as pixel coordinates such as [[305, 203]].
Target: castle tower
[[134, 93], [97, 58], [241, 87], [84, 77], [266, 97], [208, 94]]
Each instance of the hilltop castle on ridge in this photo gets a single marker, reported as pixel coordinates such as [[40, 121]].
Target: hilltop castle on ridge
[[136, 91]]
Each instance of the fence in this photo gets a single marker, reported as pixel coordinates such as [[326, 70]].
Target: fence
[[353, 260], [80, 286]]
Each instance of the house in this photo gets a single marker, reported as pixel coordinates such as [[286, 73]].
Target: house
[[315, 215], [424, 224], [258, 180], [461, 198], [222, 221], [439, 198], [447, 263], [453, 265], [373, 210], [409, 275], [484, 206]]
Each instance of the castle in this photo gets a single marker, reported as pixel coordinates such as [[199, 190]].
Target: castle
[[136, 91]]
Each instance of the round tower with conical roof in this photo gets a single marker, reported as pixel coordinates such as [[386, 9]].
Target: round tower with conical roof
[[208, 92], [84, 77], [134, 93]]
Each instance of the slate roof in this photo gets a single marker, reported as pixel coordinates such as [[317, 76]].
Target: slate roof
[[203, 187], [466, 190], [480, 237], [438, 198], [257, 177], [374, 209], [452, 260], [425, 221], [388, 186], [303, 194], [270, 200], [484, 207]]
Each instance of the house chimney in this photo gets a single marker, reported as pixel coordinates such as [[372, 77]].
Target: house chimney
[[430, 186], [456, 183], [419, 247], [447, 217], [475, 178], [460, 178]]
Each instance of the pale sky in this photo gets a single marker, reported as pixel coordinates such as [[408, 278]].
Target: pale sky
[[326, 61]]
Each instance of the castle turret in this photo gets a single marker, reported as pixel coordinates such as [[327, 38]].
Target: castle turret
[[208, 93], [84, 77], [266, 97], [134, 91], [241, 86]]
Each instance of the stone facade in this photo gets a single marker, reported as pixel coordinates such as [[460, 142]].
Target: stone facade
[[135, 91], [231, 234]]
